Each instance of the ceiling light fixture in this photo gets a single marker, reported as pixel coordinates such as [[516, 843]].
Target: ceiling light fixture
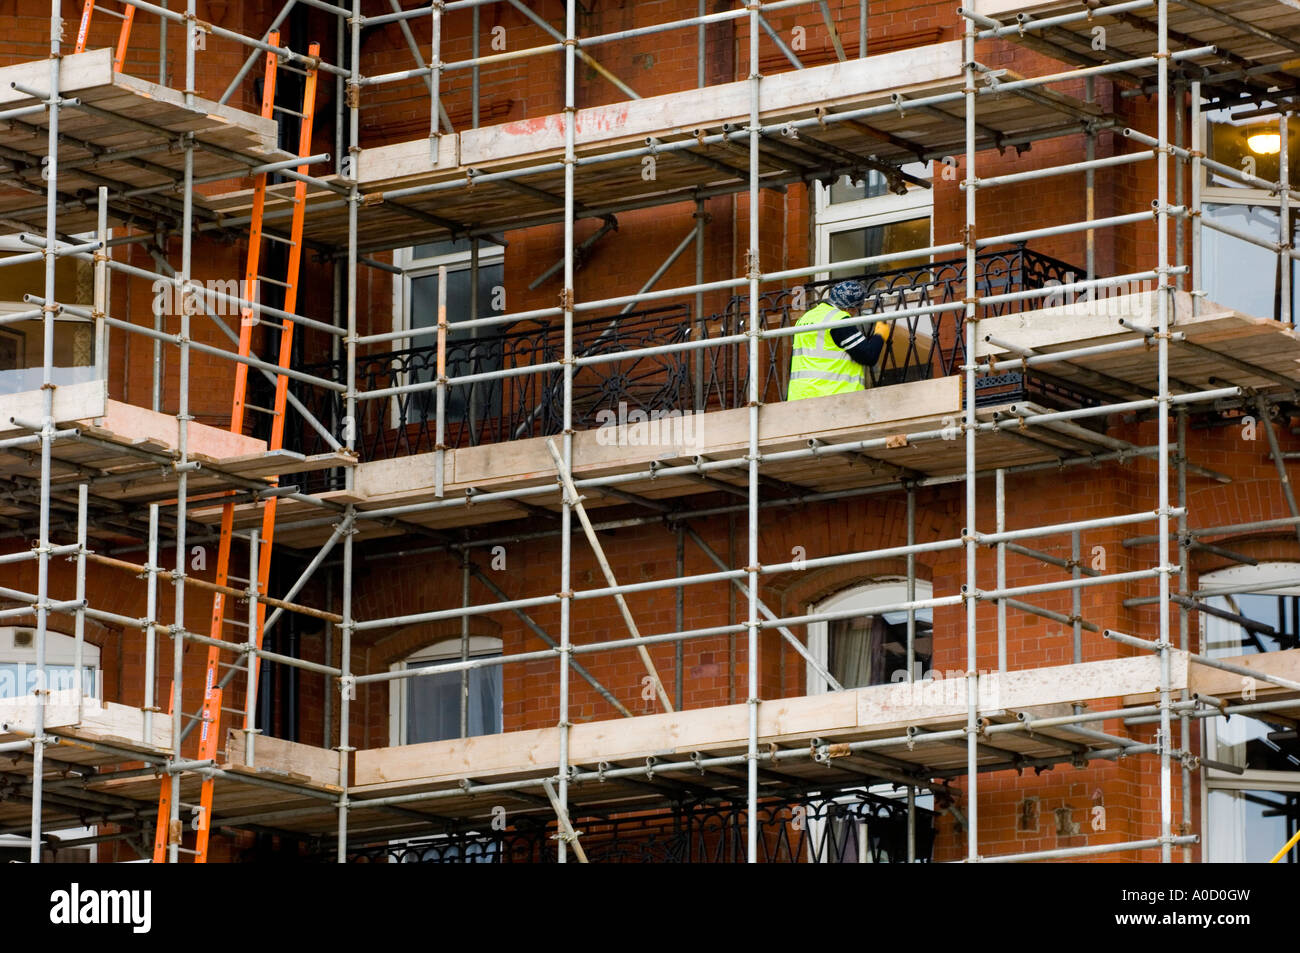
[[1264, 143]]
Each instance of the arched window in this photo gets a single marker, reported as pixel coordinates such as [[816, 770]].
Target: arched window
[[870, 648], [427, 708], [1252, 775]]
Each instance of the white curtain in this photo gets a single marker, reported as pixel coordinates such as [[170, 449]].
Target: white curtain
[[856, 651], [1226, 840], [433, 704]]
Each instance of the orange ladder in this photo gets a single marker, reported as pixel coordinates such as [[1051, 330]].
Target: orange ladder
[[210, 713], [123, 36]]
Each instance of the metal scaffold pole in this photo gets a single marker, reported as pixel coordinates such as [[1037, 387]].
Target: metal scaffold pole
[[47, 432], [566, 512], [753, 269], [910, 657], [970, 589], [1184, 631], [1163, 296], [346, 683], [1197, 282]]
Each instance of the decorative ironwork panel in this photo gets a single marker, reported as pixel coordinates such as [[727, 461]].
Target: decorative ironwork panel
[[846, 827], [530, 403]]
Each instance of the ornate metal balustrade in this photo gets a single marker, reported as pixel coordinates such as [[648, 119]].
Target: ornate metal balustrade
[[708, 378], [849, 827], [917, 346]]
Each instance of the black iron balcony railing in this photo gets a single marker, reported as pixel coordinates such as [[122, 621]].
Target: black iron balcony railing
[[917, 347], [852, 827], [700, 379]]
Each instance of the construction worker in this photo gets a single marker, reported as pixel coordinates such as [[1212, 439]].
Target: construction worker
[[834, 360]]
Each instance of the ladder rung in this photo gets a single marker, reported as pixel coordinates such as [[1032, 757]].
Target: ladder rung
[[271, 237], [233, 711], [243, 625], [287, 110], [111, 13], [274, 281], [294, 69], [263, 410]]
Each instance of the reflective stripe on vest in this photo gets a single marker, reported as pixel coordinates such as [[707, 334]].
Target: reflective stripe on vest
[[819, 367]]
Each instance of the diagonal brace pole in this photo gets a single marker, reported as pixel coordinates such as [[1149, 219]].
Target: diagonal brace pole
[[1261, 407], [542, 634], [575, 501], [567, 833], [790, 637]]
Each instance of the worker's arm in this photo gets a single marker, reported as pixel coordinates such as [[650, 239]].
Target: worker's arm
[[861, 345]]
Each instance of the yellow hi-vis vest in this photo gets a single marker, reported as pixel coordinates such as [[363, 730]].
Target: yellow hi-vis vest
[[821, 367]]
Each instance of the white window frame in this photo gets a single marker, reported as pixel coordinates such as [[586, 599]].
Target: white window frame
[[489, 253], [1272, 579], [1227, 194], [866, 596], [1232, 195], [835, 217], [446, 650]]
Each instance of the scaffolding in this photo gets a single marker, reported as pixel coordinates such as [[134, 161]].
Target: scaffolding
[[109, 472]]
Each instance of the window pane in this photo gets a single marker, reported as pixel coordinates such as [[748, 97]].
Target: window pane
[[848, 189], [433, 704], [872, 649], [882, 240], [1241, 275], [1247, 742], [438, 249], [472, 351], [20, 678], [1238, 143], [22, 353], [1252, 826]]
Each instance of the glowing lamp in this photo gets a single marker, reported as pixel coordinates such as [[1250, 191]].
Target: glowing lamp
[[1264, 143]]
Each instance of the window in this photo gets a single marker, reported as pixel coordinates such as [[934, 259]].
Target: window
[[857, 219], [18, 677], [472, 351], [18, 674], [427, 708], [863, 650], [1254, 808], [1239, 274], [871, 648], [22, 349], [862, 218]]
